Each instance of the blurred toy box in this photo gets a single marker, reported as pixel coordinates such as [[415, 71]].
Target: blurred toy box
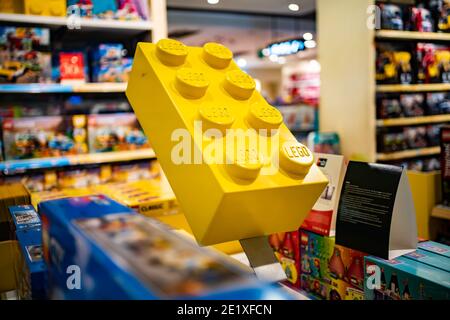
[[110, 9], [115, 132], [147, 197], [133, 257], [109, 65], [31, 269], [142, 170], [434, 63], [24, 55], [72, 67], [24, 217], [40, 137], [405, 278], [436, 248]]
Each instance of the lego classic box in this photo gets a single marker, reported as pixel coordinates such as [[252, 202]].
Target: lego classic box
[[41, 137]]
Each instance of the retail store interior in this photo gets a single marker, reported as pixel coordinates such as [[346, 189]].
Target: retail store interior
[[225, 149]]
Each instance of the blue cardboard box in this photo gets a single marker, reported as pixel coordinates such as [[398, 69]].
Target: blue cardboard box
[[431, 259], [97, 248], [435, 247], [404, 279], [31, 269], [24, 217]]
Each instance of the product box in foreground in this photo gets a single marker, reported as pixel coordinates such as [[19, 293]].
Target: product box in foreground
[[404, 279], [113, 253]]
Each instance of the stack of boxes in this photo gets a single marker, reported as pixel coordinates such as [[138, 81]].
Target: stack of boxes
[[421, 275]]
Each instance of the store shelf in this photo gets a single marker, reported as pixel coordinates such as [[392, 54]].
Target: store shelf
[[413, 120], [441, 211], [412, 35], [408, 154], [17, 166], [85, 24], [62, 88], [413, 87]]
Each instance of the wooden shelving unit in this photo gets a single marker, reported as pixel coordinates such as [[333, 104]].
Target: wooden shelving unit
[[63, 88], [440, 118], [441, 212], [411, 35], [428, 87], [348, 86], [406, 154], [85, 24]]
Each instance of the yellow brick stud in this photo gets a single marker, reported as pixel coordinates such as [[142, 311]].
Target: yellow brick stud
[[239, 84], [217, 55]]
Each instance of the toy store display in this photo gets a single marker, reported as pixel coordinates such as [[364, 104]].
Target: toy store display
[[24, 55], [409, 137], [40, 137], [133, 257], [192, 83], [115, 132], [391, 106], [433, 63], [421, 275], [424, 16], [109, 9], [109, 65], [10, 195], [394, 64], [299, 118], [324, 142]]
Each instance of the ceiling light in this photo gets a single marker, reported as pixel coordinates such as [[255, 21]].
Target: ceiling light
[[241, 62], [308, 36], [266, 52], [294, 7], [273, 58], [213, 1], [310, 44]]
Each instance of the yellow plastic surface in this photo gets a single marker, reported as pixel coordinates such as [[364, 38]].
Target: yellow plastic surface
[[173, 86], [56, 8]]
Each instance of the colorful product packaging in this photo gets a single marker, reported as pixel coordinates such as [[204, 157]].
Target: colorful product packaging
[[133, 257], [115, 132], [72, 67], [40, 137], [404, 278], [435, 247], [24, 217], [24, 55], [31, 269], [434, 63], [322, 218]]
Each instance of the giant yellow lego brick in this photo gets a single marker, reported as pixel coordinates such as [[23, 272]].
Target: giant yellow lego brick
[[194, 104]]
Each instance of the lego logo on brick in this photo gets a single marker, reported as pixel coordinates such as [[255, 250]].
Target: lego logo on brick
[[217, 55], [295, 158], [239, 84], [191, 83]]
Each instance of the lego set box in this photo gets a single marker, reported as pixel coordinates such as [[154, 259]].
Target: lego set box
[[131, 256], [416, 276], [40, 137], [115, 132]]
